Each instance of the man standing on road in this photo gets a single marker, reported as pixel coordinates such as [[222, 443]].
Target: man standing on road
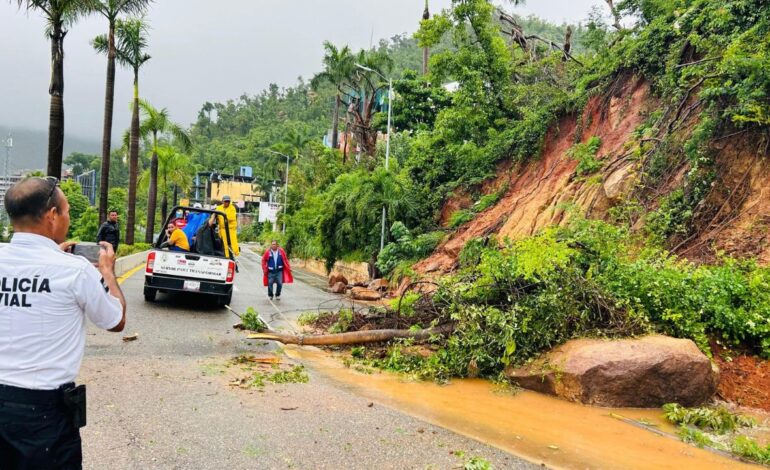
[[109, 231], [46, 295], [276, 269]]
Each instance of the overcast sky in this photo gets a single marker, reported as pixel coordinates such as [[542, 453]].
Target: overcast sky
[[202, 50]]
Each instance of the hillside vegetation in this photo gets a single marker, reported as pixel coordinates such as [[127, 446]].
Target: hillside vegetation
[[659, 129]]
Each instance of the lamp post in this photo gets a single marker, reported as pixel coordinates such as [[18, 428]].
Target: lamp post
[[387, 140], [286, 187]]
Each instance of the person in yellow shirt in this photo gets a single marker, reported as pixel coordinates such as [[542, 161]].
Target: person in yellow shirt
[[177, 240], [232, 224]]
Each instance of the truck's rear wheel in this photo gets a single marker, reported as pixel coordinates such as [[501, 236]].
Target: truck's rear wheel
[[149, 294]]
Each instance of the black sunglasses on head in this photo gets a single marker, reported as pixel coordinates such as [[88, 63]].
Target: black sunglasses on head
[[54, 183]]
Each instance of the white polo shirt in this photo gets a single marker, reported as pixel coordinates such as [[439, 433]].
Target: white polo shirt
[[45, 296]]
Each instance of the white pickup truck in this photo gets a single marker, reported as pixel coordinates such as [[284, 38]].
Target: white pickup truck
[[202, 270]]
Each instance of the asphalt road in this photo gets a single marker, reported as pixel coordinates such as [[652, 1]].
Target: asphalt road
[[175, 399]]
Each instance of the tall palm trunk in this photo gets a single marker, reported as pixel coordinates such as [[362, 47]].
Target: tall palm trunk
[[152, 197], [336, 120], [56, 110], [133, 164], [109, 97], [347, 139], [425, 50], [164, 198]]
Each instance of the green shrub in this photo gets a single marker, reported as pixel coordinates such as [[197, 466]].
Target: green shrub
[[250, 232], [344, 321], [405, 250], [489, 200], [87, 226], [460, 217], [747, 448], [585, 154], [125, 250], [251, 320], [704, 426], [695, 437], [471, 252], [591, 278], [716, 420]]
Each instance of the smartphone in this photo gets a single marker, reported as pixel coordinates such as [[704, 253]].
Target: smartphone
[[87, 250]]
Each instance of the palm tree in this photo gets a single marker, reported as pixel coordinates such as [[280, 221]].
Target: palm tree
[[174, 168], [338, 65], [131, 41], [59, 15], [369, 82], [157, 124], [110, 9], [294, 142]]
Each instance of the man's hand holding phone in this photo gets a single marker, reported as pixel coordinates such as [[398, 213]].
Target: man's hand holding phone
[[93, 252]]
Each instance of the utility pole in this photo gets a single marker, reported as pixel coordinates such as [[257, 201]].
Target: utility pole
[[6, 173], [8, 147], [286, 187]]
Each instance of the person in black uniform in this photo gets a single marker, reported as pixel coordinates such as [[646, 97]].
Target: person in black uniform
[[109, 231]]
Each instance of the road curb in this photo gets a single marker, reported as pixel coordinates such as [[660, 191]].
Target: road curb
[[127, 263]]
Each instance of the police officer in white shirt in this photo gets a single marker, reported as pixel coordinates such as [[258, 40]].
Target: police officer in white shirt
[[46, 294]]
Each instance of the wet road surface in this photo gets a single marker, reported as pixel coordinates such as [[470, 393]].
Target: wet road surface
[[167, 400]]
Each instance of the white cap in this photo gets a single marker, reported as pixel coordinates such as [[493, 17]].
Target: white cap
[[197, 205]]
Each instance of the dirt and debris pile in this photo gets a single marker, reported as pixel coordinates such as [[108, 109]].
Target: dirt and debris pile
[[733, 218], [540, 191]]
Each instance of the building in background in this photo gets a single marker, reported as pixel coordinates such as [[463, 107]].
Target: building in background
[[211, 187]]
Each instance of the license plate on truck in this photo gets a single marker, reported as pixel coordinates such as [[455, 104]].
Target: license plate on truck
[[192, 286]]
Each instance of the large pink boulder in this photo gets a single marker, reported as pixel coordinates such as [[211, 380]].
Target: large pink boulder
[[640, 372]]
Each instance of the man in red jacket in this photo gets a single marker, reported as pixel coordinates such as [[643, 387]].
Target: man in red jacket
[[276, 269]]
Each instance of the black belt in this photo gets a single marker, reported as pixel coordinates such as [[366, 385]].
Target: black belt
[[32, 397]]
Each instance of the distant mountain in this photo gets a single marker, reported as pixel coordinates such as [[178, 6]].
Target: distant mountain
[[30, 148]]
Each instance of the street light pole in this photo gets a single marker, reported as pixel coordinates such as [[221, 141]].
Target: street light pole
[[387, 141], [285, 195], [286, 187], [387, 157]]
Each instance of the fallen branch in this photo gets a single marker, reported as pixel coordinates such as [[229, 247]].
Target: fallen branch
[[555, 46], [353, 337]]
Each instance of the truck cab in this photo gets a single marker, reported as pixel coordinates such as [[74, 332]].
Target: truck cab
[[203, 270]]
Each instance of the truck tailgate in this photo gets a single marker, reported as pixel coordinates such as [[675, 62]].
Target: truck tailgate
[[190, 265]]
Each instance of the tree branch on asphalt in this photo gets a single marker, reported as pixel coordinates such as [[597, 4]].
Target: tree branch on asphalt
[[354, 337]]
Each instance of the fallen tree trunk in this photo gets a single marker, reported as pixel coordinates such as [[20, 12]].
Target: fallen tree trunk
[[353, 337]]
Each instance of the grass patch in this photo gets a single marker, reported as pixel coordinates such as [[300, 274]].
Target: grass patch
[[296, 374]]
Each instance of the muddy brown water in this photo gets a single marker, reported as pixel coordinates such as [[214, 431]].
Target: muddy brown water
[[537, 427]]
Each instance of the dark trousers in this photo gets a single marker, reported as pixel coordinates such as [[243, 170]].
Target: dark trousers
[[37, 434], [274, 277]]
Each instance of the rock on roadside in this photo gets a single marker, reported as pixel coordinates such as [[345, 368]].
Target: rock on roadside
[[379, 285], [362, 293], [642, 372], [338, 288], [334, 278]]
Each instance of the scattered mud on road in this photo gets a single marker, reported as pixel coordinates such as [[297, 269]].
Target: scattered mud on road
[[537, 427]]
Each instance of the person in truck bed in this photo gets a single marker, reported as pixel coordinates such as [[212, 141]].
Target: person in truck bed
[[177, 240]]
